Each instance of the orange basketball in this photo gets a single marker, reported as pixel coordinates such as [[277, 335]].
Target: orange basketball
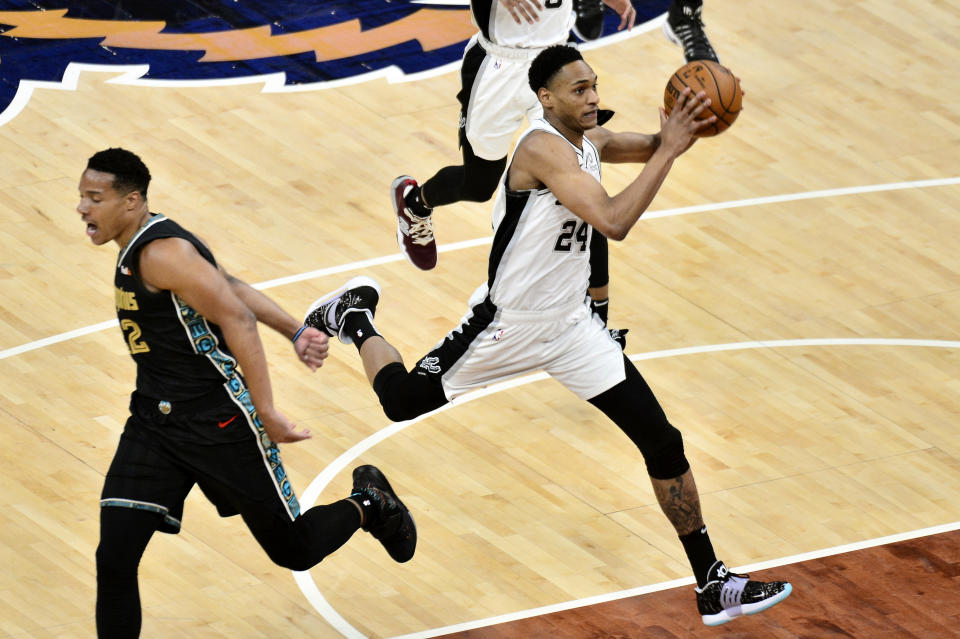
[[721, 86]]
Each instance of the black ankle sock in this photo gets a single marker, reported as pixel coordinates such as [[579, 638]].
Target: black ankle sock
[[699, 553], [414, 201], [359, 327], [367, 506]]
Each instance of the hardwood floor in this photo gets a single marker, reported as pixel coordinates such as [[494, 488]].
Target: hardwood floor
[[526, 497]]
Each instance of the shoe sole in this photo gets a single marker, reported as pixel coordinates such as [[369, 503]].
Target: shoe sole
[[398, 205], [406, 515], [747, 609], [356, 282]]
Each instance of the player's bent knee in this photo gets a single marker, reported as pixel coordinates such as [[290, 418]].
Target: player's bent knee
[[481, 177], [285, 558], [664, 457], [480, 190], [406, 395]]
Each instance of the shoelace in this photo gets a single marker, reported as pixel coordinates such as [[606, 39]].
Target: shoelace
[[690, 32], [693, 38], [421, 229]]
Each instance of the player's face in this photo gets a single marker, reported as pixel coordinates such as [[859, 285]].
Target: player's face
[[575, 92], [107, 213]]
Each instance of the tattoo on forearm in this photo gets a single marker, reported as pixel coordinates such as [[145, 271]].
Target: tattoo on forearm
[[680, 502]]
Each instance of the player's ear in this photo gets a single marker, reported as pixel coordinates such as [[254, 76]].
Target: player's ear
[[133, 199], [544, 95]]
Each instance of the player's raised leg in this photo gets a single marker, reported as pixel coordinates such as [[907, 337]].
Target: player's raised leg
[[684, 28]]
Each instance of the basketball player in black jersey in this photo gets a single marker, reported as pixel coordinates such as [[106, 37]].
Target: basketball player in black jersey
[[194, 418]]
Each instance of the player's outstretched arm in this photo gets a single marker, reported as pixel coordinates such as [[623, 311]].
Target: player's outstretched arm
[[310, 345], [623, 147], [173, 264], [543, 158]]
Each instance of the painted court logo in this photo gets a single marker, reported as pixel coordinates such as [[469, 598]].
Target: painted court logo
[[286, 45]]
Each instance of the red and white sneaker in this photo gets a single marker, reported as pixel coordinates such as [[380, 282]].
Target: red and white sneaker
[[414, 232]]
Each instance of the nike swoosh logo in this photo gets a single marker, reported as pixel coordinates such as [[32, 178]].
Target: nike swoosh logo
[[226, 423]]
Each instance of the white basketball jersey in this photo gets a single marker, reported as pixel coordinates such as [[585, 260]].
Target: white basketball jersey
[[498, 26], [540, 258]]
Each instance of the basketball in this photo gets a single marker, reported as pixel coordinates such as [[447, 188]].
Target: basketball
[[721, 86]]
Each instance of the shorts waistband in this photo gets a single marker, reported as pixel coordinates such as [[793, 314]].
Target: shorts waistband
[[516, 53], [182, 407], [569, 312]]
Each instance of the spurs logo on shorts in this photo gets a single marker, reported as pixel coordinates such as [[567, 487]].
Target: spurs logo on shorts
[[431, 365]]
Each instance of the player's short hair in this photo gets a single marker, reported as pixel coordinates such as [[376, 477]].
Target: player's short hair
[[129, 171], [548, 62]]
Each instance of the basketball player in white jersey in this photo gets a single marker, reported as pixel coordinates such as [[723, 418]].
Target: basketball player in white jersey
[[531, 313], [494, 99]]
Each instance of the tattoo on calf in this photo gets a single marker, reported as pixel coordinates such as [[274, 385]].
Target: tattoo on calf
[[680, 502]]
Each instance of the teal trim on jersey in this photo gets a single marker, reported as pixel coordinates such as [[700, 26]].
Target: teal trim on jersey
[[205, 342]]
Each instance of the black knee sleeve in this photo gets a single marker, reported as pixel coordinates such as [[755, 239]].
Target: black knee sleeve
[[664, 457], [633, 407], [406, 395]]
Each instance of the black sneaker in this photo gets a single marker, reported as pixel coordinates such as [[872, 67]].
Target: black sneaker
[[414, 228], [619, 335], [728, 595], [359, 295], [684, 28], [391, 522], [589, 23]]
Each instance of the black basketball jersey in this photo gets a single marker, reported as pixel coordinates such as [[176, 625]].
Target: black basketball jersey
[[180, 355]]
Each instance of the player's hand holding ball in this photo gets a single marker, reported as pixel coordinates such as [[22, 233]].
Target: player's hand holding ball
[[719, 84], [690, 115]]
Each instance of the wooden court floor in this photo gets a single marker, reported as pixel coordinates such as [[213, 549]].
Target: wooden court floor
[[793, 298]]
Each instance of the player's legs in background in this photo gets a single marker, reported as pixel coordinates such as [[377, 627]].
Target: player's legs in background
[[494, 96], [684, 27], [589, 22], [476, 180]]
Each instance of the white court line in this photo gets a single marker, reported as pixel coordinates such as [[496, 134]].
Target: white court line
[[808, 195], [312, 593], [688, 581], [456, 246], [133, 75]]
